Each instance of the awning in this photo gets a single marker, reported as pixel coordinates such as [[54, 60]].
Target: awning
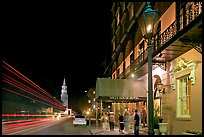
[[120, 89]]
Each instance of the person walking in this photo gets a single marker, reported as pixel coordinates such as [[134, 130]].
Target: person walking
[[119, 120], [138, 112], [127, 122], [137, 121], [111, 120], [121, 123], [143, 116], [105, 122]]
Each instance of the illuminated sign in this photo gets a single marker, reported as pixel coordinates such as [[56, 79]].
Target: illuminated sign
[[122, 98]]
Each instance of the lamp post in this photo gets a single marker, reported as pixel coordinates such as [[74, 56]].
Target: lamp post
[[148, 22]]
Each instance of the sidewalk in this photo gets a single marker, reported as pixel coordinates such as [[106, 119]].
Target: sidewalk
[[99, 131]]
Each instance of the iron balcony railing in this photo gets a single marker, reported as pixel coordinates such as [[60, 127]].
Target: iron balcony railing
[[189, 14]]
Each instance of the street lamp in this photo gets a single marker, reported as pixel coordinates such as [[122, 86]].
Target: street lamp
[[148, 22]]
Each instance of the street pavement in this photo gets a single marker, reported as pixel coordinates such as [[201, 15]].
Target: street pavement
[[100, 131]]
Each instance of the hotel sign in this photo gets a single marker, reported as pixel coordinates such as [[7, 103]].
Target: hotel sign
[[122, 98]]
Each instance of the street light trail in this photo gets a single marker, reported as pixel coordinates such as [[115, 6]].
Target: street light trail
[[24, 104], [23, 85], [28, 89], [23, 89], [21, 76], [25, 125], [24, 96], [17, 73]]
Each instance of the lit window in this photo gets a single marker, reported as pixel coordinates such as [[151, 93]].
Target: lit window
[[113, 45], [118, 18], [132, 10], [183, 96]]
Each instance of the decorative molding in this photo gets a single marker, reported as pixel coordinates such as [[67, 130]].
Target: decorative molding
[[183, 65]]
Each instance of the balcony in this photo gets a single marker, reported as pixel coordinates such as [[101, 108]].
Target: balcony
[[182, 35]]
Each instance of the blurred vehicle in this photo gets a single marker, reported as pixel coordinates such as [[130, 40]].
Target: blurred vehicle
[[79, 120]]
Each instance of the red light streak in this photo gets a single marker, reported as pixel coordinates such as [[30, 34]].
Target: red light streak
[[21, 88], [28, 81], [25, 125], [16, 115], [56, 103], [23, 85], [24, 96], [29, 90], [25, 78]]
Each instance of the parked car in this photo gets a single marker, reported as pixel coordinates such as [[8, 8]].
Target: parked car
[[79, 120]]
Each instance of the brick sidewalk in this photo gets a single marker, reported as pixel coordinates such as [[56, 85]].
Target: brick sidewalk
[[100, 131]]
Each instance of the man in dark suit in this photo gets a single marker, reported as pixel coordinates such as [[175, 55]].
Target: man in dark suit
[[137, 121]]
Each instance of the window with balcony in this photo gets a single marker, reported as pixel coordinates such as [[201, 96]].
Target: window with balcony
[[123, 27], [188, 12], [123, 6], [113, 27], [131, 58], [113, 43], [118, 16], [183, 96], [131, 10]]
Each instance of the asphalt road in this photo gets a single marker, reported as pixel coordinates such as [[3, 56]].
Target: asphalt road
[[64, 127]]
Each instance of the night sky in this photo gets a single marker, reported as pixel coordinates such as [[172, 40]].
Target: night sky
[[47, 41]]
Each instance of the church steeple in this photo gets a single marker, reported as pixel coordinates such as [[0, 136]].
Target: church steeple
[[64, 83], [64, 95]]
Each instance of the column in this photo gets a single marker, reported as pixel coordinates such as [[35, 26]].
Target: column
[[97, 124]]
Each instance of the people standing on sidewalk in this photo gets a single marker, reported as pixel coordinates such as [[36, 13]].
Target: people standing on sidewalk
[[105, 122], [138, 112], [111, 120], [137, 121], [121, 123], [127, 122], [132, 114], [143, 116]]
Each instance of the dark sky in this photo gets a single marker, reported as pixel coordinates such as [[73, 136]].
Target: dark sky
[[47, 41]]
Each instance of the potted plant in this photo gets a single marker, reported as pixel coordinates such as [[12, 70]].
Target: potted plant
[[156, 125], [156, 120]]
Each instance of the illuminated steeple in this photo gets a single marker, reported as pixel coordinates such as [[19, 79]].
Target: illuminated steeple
[[64, 95], [64, 84]]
